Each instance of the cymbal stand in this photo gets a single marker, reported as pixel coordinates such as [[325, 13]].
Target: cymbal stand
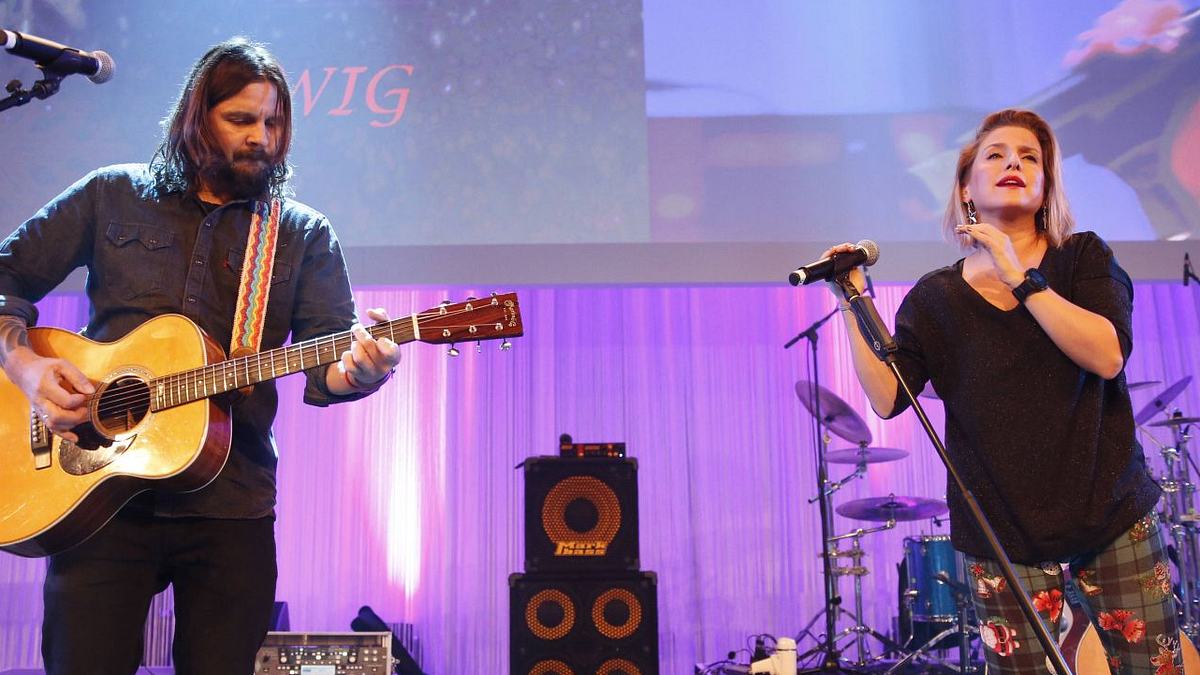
[[1182, 521], [860, 470], [831, 656], [858, 571]]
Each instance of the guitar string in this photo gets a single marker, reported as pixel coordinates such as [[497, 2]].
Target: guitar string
[[270, 359], [210, 374]]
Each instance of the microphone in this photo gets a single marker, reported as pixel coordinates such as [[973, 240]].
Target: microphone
[[58, 59], [1189, 275], [866, 253]]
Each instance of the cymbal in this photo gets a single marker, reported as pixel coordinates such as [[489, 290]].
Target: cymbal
[[836, 414], [1134, 386], [1159, 404], [1172, 422], [892, 508], [865, 455]]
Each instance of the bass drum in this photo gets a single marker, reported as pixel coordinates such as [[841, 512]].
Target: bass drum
[[927, 606]]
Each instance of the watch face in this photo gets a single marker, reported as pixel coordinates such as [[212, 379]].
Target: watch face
[[1036, 278]]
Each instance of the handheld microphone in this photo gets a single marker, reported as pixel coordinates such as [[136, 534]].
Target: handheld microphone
[[58, 59], [866, 253]]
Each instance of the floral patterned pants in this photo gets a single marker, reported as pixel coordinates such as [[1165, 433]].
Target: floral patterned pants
[[1127, 585]]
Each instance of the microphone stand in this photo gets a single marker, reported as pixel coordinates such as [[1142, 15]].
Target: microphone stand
[[880, 340]]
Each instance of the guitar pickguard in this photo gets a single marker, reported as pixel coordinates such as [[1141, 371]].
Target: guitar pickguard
[[80, 461]]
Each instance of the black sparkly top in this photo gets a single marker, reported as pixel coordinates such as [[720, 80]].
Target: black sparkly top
[[1047, 447]]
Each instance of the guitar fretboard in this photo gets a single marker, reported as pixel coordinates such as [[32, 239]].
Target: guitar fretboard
[[218, 378]]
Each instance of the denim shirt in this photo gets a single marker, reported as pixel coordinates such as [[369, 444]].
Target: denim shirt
[[149, 253]]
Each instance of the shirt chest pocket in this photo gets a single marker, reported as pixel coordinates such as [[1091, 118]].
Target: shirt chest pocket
[[137, 258], [281, 274]]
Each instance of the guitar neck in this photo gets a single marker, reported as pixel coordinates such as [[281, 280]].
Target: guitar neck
[[219, 378]]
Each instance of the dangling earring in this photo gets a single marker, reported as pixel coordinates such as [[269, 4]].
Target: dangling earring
[[972, 214], [1045, 213]]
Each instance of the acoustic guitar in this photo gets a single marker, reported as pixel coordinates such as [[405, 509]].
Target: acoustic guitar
[[154, 422], [1092, 660]]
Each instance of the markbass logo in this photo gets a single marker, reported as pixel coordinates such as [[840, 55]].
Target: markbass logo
[[581, 548]]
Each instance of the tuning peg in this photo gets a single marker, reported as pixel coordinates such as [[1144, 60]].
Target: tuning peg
[[453, 351], [506, 345]]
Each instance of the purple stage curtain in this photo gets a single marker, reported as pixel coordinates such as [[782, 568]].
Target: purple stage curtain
[[409, 501]]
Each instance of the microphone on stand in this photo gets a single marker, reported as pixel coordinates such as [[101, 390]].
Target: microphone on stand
[[866, 253], [58, 59], [1189, 274]]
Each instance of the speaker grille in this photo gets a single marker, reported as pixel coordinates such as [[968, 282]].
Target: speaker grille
[[551, 667], [618, 667], [539, 602], [592, 491], [627, 601]]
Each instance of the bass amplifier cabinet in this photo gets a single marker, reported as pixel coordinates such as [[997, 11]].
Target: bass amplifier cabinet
[[598, 625], [325, 654], [581, 515]]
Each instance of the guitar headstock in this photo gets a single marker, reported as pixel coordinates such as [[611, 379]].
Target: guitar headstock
[[492, 318]]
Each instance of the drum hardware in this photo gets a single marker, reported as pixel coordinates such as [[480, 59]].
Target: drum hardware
[[1179, 514], [1134, 386], [859, 630], [835, 416], [833, 487]]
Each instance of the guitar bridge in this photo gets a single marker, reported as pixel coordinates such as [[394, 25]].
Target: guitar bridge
[[39, 442]]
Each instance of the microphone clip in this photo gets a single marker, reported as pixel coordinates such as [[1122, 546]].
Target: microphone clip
[[42, 89], [849, 290]]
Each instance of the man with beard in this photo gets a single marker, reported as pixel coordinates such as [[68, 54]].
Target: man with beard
[[171, 237]]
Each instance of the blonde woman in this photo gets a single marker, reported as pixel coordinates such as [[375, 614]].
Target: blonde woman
[[1025, 340]]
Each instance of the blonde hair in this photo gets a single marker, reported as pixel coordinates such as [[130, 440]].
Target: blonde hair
[[1054, 219]]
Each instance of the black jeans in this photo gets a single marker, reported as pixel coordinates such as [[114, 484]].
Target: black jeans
[[97, 595]]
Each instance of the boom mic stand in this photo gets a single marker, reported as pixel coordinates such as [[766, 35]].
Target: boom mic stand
[[880, 340]]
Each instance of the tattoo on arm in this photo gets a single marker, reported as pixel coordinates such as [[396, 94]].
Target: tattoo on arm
[[13, 334]]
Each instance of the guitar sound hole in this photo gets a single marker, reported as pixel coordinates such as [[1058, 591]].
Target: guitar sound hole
[[123, 405]]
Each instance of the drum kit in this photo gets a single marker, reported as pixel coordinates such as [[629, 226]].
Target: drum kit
[[937, 611], [935, 604], [1178, 509]]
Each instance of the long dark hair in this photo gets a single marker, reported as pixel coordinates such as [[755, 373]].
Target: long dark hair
[[189, 146]]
